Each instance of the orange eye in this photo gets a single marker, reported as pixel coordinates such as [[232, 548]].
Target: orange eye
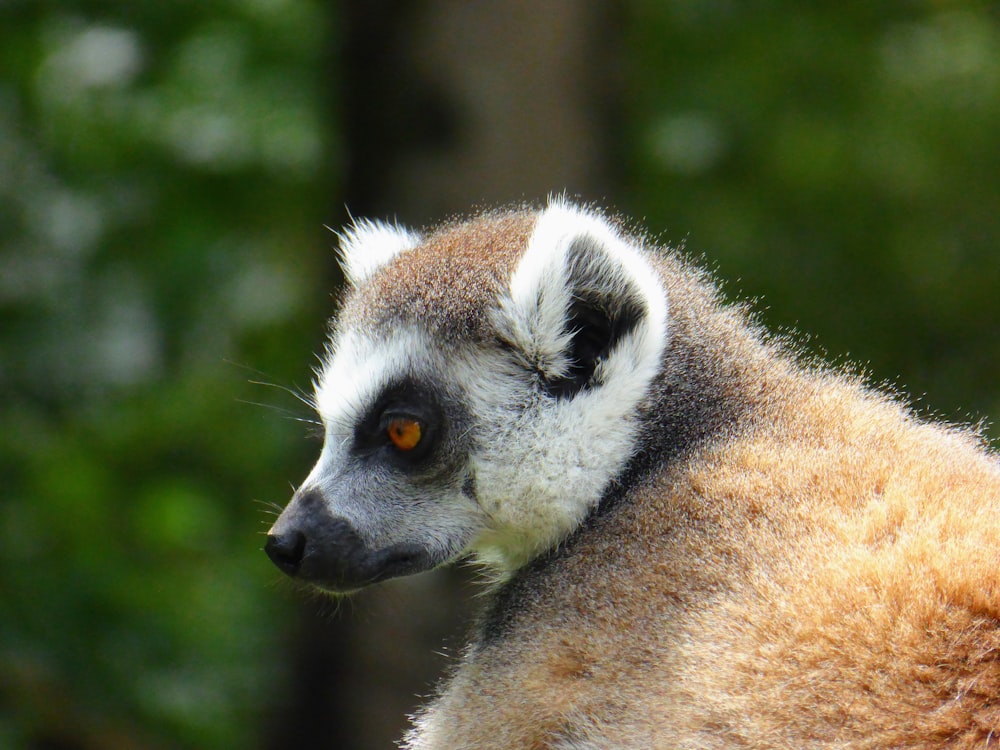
[[404, 433]]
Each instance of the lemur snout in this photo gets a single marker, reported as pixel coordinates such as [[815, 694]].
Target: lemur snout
[[309, 544]]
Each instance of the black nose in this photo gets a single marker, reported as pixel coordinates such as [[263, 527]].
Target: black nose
[[299, 538], [286, 550]]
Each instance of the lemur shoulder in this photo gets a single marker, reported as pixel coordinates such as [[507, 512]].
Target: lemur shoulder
[[700, 541]]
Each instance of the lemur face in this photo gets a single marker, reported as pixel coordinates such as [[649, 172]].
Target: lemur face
[[480, 391], [390, 494]]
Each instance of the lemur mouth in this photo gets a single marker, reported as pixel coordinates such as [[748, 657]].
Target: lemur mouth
[[380, 565], [398, 560]]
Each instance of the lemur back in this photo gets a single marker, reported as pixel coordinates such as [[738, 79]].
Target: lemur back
[[698, 540]]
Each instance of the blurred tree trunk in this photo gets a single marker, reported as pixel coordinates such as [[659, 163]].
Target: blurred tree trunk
[[446, 106]]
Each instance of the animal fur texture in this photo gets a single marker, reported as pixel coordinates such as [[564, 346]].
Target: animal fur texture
[[700, 541]]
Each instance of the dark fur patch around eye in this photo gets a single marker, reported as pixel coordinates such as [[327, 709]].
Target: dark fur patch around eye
[[445, 430], [408, 401]]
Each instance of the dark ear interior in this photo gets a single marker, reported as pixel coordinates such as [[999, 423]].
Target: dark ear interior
[[605, 307]]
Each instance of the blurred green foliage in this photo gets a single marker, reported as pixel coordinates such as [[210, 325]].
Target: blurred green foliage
[[843, 161], [164, 171], [162, 190]]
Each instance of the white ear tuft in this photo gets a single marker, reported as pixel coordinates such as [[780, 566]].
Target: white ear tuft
[[367, 245], [579, 295]]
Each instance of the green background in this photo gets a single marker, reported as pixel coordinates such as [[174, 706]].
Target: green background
[[165, 172]]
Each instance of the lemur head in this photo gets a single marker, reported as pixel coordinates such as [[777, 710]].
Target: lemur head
[[481, 390]]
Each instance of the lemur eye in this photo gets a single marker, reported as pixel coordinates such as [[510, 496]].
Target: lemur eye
[[404, 433]]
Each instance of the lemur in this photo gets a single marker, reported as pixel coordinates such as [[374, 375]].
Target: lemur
[[700, 540]]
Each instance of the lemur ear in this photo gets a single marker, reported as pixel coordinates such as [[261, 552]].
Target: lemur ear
[[582, 303], [366, 245]]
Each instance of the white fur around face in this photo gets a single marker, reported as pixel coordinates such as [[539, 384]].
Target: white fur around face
[[367, 245], [357, 367], [351, 371], [382, 509], [542, 474]]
